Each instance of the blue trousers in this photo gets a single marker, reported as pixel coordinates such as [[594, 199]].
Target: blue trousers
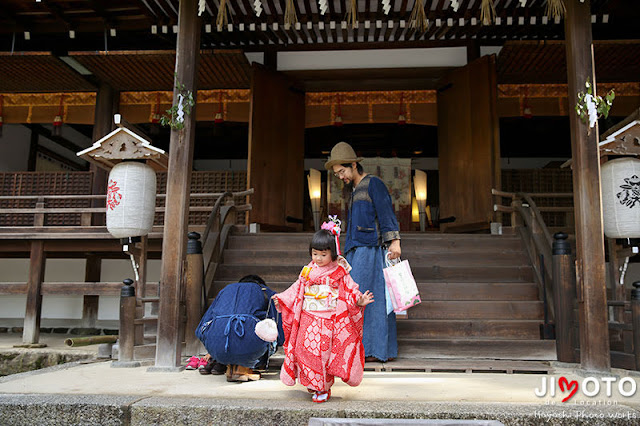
[[380, 336]]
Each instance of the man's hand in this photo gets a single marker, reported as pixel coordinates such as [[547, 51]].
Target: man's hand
[[394, 249]]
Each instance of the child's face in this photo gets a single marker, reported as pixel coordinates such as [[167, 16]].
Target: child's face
[[321, 257]]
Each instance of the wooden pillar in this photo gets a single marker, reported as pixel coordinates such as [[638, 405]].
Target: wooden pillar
[[473, 51], [635, 321], [168, 349], [193, 293], [33, 151], [126, 334], [590, 264], [564, 294], [271, 59], [92, 271], [31, 330], [107, 101]]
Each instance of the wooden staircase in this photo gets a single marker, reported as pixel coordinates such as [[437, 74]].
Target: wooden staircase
[[479, 296]]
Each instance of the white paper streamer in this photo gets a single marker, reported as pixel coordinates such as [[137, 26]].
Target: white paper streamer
[[324, 5], [257, 7], [180, 114], [202, 4], [455, 5], [386, 6]]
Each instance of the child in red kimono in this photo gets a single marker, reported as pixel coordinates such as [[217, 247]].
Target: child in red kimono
[[322, 316]]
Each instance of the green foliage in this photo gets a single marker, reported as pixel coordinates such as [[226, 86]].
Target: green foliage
[[602, 105], [172, 115]]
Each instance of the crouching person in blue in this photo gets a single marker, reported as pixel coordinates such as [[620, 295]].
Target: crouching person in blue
[[227, 329]]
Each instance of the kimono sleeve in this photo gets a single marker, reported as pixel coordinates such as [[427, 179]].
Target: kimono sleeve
[[352, 290]]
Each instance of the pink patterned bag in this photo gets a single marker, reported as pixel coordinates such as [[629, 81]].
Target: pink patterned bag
[[401, 284]]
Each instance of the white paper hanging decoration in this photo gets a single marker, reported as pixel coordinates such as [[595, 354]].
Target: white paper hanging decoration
[[621, 197], [131, 199], [455, 5], [324, 5], [202, 4], [386, 6], [257, 7]]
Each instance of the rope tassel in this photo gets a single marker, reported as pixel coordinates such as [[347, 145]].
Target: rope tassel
[[352, 14], [222, 19], [418, 19], [290, 17], [487, 12], [555, 8]]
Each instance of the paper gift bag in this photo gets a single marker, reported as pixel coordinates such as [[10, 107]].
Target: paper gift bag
[[401, 285]]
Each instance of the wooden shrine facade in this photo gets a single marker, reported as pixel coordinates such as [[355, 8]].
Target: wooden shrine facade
[[55, 26]]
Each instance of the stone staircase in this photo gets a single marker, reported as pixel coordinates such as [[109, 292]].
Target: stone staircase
[[479, 297]]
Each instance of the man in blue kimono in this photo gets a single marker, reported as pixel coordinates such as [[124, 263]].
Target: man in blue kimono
[[372, 229], [227, 329]]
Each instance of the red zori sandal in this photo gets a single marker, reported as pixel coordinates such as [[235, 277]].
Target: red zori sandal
[[320, 397]]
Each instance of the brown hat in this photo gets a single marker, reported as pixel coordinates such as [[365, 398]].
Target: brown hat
[[340, 154]]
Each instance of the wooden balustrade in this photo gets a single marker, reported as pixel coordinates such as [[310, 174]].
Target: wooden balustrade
[[526, 219], [39, 237]]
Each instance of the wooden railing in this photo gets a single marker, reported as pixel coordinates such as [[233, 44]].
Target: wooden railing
[[553, 263], [527, 221], [221, 219], [40, 209]]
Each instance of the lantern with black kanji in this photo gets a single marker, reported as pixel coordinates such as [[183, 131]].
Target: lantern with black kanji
[[621, 198]]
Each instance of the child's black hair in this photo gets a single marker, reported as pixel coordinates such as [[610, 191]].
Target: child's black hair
[[324, 240], [252, 279]]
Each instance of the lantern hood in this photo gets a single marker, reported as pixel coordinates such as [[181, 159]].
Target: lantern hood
[[124, 143]]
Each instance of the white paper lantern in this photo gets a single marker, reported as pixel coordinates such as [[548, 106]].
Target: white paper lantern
[[621, 197], [131, 199]]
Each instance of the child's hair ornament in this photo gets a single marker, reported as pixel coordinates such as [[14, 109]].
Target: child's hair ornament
[[333, 226]]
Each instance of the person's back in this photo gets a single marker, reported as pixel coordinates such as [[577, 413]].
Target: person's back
[[227, 329]]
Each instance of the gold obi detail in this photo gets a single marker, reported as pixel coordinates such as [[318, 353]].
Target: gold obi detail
[[320, 297]]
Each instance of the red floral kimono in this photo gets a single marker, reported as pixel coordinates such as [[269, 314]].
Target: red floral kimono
[[322, 327]]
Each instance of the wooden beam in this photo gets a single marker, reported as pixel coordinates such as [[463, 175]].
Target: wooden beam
[[590, 262], [169, 345], [60, 158], [60, 140], [37, 260], [107, 101]]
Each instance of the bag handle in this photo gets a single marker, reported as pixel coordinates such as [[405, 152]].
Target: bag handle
[[390, 262]]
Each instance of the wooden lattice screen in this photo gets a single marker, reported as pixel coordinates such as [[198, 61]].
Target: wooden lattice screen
[[79, 183], [537, 181], [44, 183], [206, 182]]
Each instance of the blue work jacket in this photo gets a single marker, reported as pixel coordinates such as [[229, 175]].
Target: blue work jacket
[[371, 220], [227, 329]]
